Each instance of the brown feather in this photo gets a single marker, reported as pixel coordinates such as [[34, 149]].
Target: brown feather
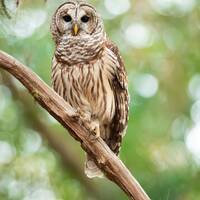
[[120, 86]]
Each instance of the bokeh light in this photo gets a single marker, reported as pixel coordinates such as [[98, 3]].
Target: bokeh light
[[31, 142], [117, 7], [173, 7], [195, 112], [194, 87], [40, 194], [139, 35], [20, 26], [7, 152], [146, 85], [192, 141], [5, 96], [180, 127]]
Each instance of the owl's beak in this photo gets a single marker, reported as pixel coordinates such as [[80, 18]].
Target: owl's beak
[[75, 29]]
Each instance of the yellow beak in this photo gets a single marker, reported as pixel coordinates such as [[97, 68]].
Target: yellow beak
[[75, 29]]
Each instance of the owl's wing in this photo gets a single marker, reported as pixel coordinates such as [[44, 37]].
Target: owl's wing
[[120, 86]]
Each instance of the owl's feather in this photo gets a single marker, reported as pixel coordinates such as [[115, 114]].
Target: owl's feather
[[120, 85]]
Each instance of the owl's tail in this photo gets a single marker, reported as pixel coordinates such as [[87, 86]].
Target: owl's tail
[[91, 169]]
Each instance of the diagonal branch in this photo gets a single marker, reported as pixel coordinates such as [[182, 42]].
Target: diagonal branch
[[110, 164]]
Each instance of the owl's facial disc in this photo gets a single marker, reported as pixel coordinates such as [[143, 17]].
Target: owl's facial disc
[[76, 19]]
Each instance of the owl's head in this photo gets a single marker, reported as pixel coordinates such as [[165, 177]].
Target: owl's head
[[75, 19]]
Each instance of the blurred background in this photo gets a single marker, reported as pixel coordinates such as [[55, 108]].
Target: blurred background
[[160, 43]]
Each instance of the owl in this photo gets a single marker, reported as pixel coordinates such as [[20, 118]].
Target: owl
[[89, 73]]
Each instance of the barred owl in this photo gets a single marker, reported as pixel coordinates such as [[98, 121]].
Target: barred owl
[[88, 72]]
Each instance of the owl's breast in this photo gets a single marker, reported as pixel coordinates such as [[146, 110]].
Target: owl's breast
[[89, 87]]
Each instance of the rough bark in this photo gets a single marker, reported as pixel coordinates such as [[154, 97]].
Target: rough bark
[[110, 164]]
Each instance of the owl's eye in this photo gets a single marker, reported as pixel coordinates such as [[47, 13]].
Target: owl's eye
[[85, 19], [67, 18]]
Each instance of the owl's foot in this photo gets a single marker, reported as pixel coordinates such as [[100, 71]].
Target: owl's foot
[[84, 119], [94, 130], [81, 117]]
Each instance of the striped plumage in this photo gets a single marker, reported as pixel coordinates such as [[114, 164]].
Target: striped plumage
[[88, 72]]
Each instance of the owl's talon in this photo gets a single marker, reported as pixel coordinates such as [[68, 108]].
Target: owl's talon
[[92, 127], [81, 117], [76, 117], [94, 132]]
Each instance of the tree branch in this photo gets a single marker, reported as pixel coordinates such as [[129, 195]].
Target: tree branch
[[109, 163]]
